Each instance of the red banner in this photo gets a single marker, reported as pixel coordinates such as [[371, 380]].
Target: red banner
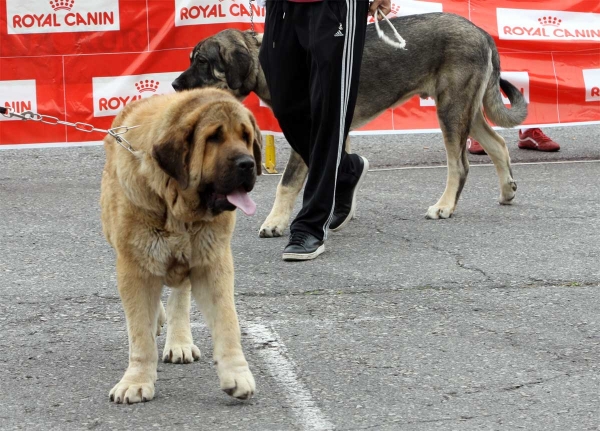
[[84, 60]]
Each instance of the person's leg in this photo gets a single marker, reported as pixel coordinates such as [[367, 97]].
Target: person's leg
[[334, 74], [285, 64]]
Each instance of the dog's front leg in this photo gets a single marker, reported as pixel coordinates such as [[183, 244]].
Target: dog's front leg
[[212, 288], [140, 295], [287, 191]]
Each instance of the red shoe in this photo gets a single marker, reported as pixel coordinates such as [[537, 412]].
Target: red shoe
[[474, 147], [535, 139]]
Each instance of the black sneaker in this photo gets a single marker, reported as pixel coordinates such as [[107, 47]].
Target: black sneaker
[[345, 201], [303, 246]]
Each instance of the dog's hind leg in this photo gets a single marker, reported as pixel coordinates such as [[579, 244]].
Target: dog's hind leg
[[179, 347], [454, 122], [494, 145], [287, 191], [347, 144], [161, 319]]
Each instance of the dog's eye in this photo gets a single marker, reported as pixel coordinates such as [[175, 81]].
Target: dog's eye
[[216, 137], [246, 137], [196, 58]]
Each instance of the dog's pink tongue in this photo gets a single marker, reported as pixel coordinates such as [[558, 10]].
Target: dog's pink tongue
[[243, 201]]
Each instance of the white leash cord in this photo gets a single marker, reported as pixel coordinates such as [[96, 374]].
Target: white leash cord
[[401, 44]]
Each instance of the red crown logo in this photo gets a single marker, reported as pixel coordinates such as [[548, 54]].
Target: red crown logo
[[62, 4], [147, 85], [550, 20]]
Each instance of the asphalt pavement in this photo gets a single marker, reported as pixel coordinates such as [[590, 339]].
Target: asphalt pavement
[[485, 321]]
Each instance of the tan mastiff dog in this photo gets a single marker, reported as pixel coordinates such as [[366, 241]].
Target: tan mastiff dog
[[168, 211]]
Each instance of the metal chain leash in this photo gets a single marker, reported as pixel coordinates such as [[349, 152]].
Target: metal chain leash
[[251, 18], [115, 132]]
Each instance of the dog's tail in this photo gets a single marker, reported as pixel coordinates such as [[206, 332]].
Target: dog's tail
[[492, 99]]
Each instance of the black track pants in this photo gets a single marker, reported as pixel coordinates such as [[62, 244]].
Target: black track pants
[[311, 55]]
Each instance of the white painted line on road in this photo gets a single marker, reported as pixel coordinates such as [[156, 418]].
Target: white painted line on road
[[51, 145], [479, 165], [275, 356], [424, 131]]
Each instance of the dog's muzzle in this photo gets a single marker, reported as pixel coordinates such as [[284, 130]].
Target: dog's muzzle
[[232, 192]]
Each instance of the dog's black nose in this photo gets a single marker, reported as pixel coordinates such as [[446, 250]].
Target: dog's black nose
[[245, 163], [176, 85]]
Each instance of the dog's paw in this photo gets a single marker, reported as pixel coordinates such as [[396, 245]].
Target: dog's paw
[[436, 212], [508, 193], [237, 381], [183, 353], [130, 392], [272, 227]]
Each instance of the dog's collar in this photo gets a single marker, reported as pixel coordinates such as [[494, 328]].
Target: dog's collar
[[117, 133]]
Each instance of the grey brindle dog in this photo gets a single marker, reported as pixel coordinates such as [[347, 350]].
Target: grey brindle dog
[[446, 57]]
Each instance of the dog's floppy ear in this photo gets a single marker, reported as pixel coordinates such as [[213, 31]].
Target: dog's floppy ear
[[237, 61], [173, 151], [173, 158], [256, 145]]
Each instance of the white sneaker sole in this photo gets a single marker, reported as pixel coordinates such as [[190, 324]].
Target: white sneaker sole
[[304, 256], [353, 207]]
